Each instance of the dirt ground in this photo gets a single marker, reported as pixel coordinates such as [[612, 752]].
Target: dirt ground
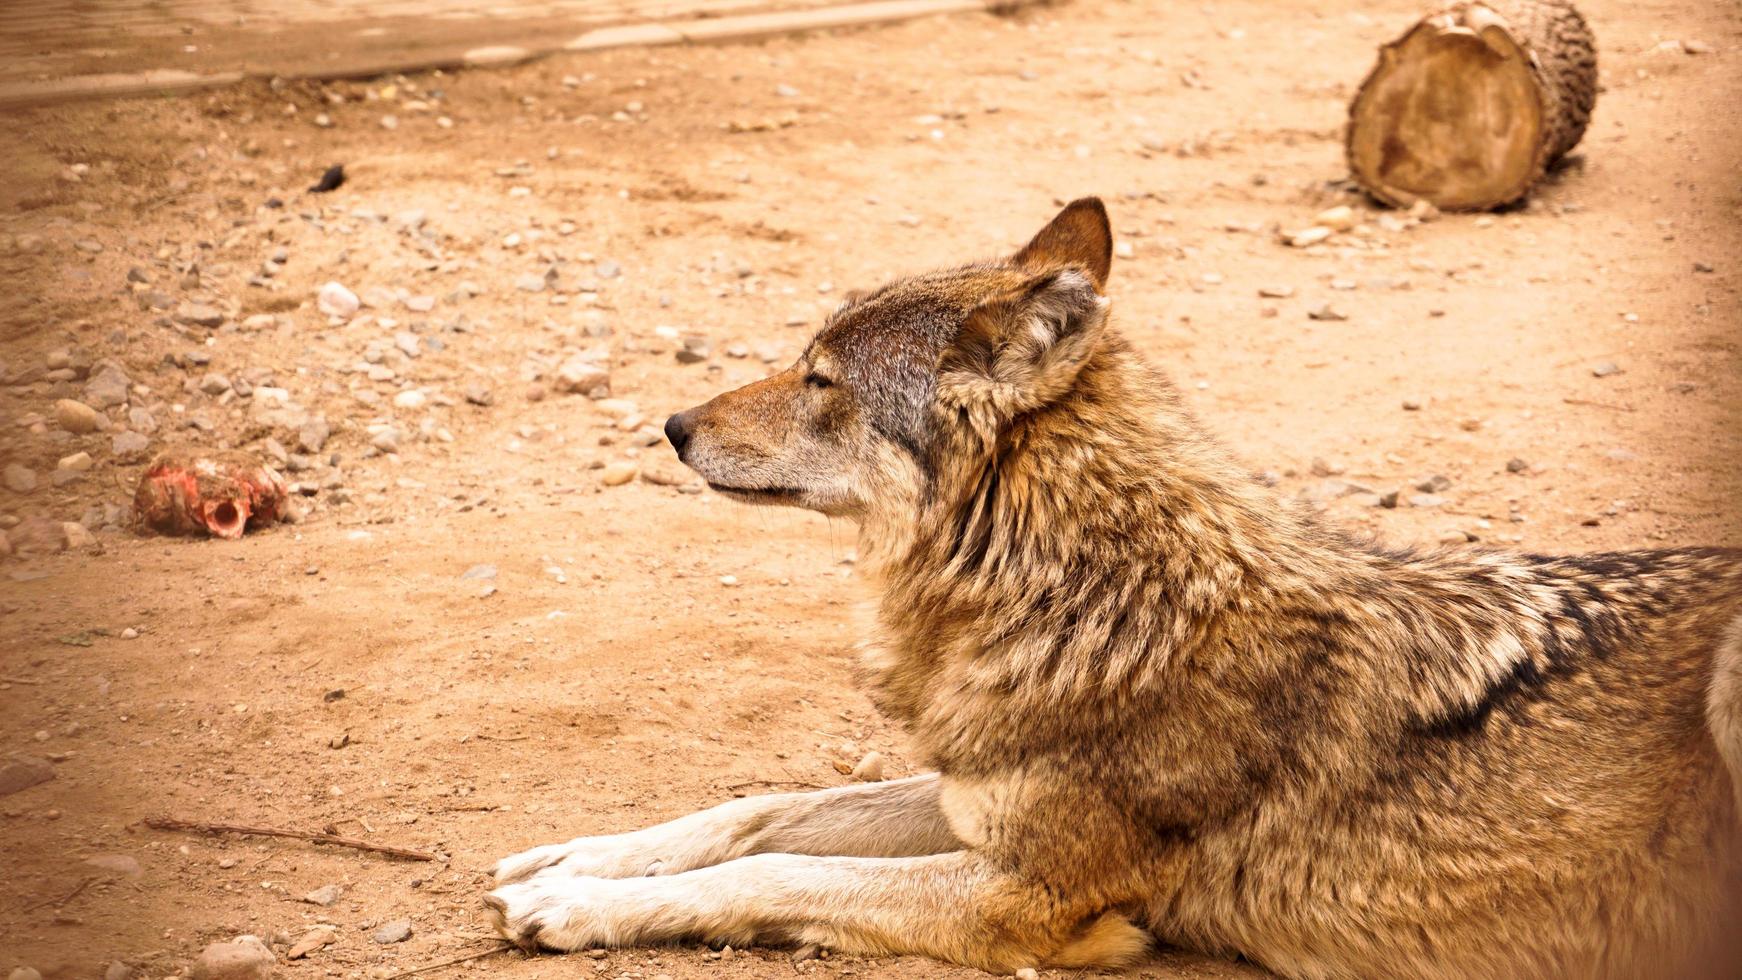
[[643, 649]]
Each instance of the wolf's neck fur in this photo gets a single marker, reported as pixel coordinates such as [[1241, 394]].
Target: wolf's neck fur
[[1094, 540]]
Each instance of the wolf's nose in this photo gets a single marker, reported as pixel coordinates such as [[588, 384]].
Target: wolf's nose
[[677, 430]]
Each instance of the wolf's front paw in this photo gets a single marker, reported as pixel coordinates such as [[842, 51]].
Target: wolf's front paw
[[593, 857], [517, 867], [562, 913]]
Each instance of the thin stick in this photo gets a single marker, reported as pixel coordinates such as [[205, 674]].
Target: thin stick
[[1587, 401], [776, 782], [58, 902], [200, 827], [456, 960], [18, 680]]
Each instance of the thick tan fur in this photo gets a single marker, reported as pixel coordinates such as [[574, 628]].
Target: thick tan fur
[[1160, 702]]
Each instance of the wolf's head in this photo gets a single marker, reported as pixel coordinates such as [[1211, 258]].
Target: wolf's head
[[903, 381]]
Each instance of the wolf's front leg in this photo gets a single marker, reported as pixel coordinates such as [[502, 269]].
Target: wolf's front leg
[[957, 907], [892, 819]]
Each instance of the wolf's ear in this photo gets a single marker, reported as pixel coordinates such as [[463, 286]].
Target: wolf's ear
[[1079, 236], [1022, 350]]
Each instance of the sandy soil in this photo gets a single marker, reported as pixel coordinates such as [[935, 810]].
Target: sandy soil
[[636, 685]]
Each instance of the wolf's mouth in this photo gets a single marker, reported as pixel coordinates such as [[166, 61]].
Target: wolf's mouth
[[764, 493]]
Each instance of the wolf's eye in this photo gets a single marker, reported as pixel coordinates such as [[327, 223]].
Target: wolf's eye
[[816, 380]]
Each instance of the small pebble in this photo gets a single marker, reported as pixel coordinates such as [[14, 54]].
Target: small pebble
[[245, 958], [324, 896], [695, 349], [76, 417], [335, 300], [870, 768], [1339, 218], [618, 473]]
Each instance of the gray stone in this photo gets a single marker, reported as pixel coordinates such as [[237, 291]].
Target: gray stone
[[107, 388], [22, 772], [312, 435], [1516, 465], [324, 896], [387, 440], [1605, 369], [19, 478], [608, 269], [480, 395], [38, 535], [141, 419], [200, 315], [397, 931], [1434, 484], [483, 572], [128, 445], [584, 375], [214, 384]]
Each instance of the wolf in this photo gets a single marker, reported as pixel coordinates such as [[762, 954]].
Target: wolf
[[1159, 704]]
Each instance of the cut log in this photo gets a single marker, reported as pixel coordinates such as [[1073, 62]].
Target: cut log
[[1469, 107]]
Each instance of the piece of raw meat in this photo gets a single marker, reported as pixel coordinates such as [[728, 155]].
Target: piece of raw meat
[[221, 494]]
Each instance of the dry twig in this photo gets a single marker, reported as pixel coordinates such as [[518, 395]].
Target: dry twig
[[200, 827], [478, 955], [58, 902], [1592, 404]]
